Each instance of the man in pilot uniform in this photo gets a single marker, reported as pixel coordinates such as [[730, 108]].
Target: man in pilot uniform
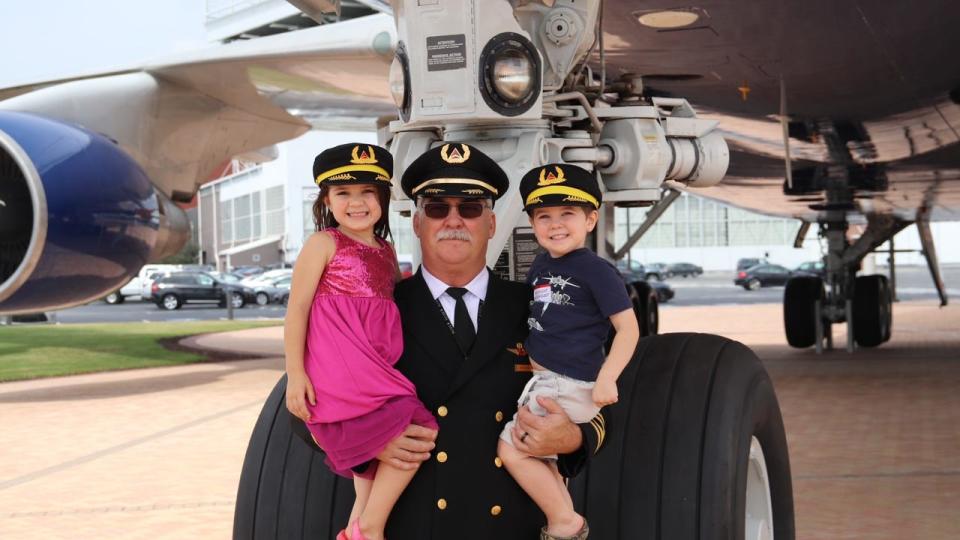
[[463, 330]]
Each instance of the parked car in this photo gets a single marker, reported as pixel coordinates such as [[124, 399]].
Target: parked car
[[266, 278], [658, 271], [175, 289], [743, 264], [811, 268], [646, 272], [269, 291], [762, 275], [637, 272], [685, 269], [664, 291], [139, 285]]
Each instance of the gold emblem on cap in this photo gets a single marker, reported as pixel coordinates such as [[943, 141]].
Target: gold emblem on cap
[[548, 178], [473, 191], [433, 190], [364, 157], [455, 155]]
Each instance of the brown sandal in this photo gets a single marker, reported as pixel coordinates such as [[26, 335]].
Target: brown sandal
[[581, 534]]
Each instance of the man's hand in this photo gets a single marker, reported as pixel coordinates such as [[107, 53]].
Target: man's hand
[[409, 449], [546, 435], [299, 392]]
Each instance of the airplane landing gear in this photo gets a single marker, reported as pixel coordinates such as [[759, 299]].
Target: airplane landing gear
[[811, 305]]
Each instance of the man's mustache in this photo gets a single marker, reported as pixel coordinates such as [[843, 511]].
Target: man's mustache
[[454, 234]]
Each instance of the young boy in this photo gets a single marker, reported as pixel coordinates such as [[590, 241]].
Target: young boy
[[576, 297]]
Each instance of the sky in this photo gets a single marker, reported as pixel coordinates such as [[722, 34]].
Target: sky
[[52, 39]]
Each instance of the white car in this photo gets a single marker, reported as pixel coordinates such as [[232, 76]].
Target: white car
[[267, 277], [139, 285]]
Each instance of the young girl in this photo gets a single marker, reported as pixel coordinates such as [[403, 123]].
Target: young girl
[[343, 336]]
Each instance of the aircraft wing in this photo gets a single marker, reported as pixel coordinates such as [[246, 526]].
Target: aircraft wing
[[182, 116]]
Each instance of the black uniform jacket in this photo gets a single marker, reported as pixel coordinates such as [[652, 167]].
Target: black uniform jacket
[[463, 491]]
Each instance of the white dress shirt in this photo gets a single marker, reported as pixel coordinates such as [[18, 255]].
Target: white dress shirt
[[476, 291]]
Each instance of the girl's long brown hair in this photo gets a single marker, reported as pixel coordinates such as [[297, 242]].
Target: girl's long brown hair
[[323, 217]]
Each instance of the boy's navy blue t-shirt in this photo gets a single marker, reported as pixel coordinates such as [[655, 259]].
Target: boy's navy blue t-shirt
[[573, 299]]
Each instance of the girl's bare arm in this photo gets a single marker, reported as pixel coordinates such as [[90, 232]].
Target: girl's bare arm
[[313, 258]]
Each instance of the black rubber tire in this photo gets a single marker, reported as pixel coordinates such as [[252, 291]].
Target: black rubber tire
[[114, 298], [753, 284], [799, 315], [675, 459], [238, 301], [285, 489], [646, 306], [263, 298], [161, 303], [872, 313]]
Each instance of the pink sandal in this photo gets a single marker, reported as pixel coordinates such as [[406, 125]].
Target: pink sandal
[[355, 533]]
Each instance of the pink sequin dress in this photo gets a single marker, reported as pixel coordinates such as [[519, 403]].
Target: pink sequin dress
[[353, 341]]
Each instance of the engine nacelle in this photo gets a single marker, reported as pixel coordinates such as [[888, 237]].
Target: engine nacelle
[[78, 216]]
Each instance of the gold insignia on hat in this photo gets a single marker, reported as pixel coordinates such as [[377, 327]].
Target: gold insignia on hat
[[433, 190], [343, 176], [455, 155], [548, 178], [473, 191], [572, 198], [363, 157]]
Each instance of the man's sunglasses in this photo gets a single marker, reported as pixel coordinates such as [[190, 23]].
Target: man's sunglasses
[[467, 209]]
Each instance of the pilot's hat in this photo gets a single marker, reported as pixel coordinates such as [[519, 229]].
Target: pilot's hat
[[353, 163], [559, 184], [454, 170]]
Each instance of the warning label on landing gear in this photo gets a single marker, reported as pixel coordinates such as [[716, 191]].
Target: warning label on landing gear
[[446, 52]]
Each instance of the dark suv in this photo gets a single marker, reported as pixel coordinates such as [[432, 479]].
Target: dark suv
[[172, 291]]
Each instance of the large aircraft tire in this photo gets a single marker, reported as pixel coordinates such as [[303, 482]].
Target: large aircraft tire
[[285, 489], [677, 460], [676, 463], [799, 313], [646, 306], [872, 313]]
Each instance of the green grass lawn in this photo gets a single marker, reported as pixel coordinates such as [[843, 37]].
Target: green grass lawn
[[29, 352]]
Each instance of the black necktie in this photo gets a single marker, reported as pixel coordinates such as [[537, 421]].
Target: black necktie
[[462, 325]]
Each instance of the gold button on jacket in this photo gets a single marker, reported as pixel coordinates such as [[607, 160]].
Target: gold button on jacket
[[442, 411], [442, 504], [498, 462], [495, 511], [442, 457], [499, 416]]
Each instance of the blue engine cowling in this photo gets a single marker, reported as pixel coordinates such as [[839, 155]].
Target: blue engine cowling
[[78, 216]]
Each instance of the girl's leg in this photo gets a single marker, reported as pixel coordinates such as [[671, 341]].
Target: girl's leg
[[387, 486], [540, 482], [361, 486]]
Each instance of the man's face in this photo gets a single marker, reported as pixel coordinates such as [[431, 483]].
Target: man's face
[[447, 237]]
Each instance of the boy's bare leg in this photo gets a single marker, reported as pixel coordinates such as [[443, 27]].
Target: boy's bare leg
[[540, 481], [387, 486], [561, 482]]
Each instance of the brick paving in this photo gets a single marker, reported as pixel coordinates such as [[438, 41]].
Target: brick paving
[[156, 453]]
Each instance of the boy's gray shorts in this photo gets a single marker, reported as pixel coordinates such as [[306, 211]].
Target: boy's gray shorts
[[574, 396]]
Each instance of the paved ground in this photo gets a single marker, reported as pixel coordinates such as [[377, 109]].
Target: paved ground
[[874, 437]]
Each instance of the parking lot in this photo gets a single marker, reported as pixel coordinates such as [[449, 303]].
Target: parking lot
[[710, 289]]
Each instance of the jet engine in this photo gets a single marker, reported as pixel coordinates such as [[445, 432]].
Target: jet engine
[[78, 216]]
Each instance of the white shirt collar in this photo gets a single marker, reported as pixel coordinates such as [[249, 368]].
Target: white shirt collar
[[477, 286]]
